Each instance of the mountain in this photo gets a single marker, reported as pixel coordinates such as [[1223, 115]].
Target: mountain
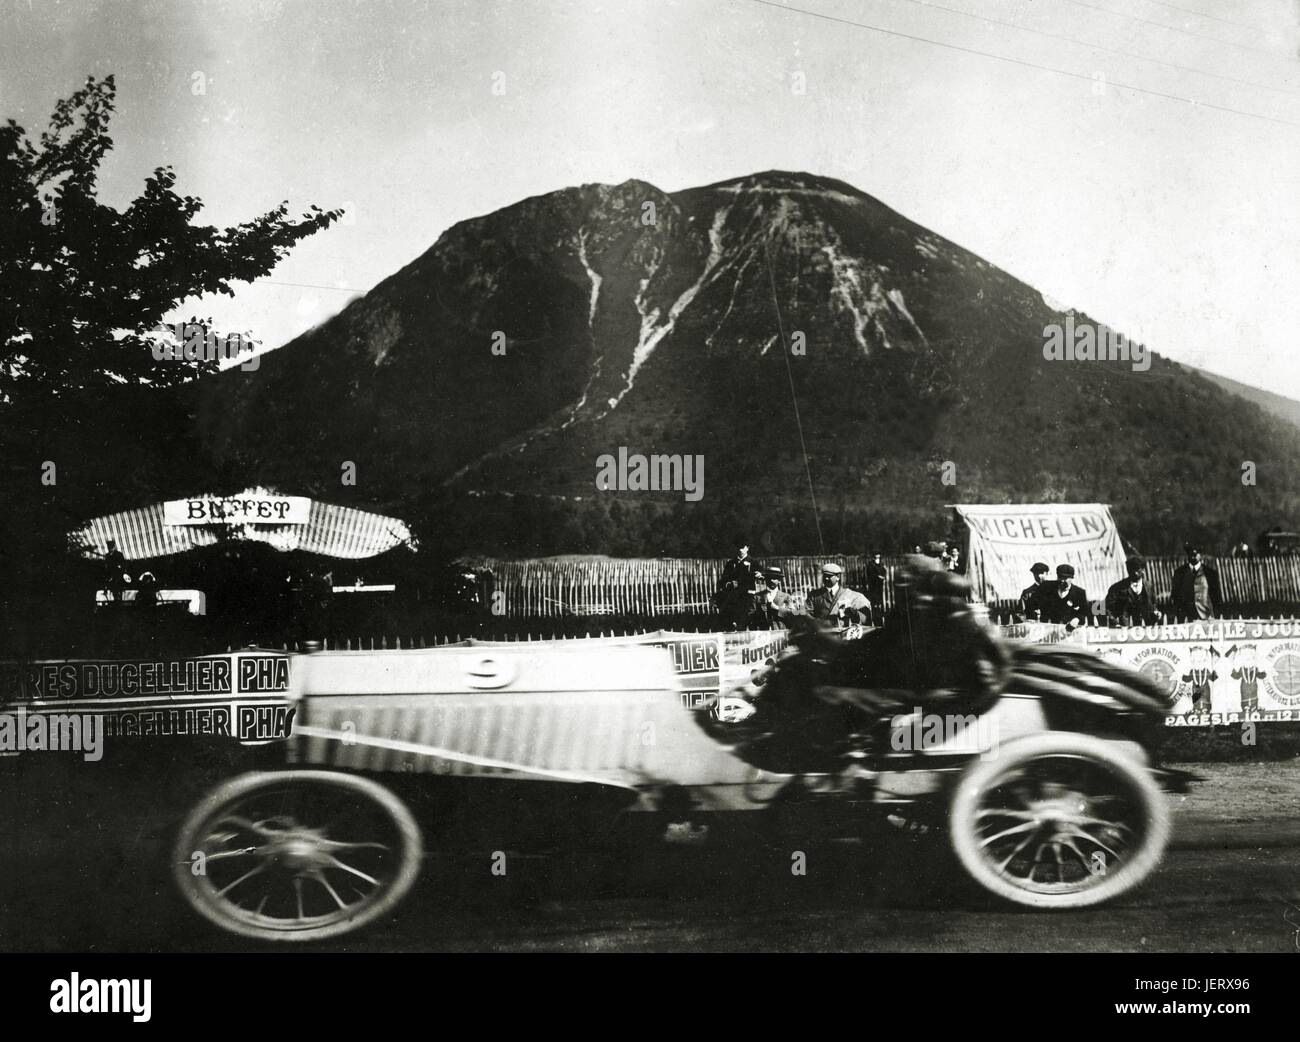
[[695, 322], [1284, 408]]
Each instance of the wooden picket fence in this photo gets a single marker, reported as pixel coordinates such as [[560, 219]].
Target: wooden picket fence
[[643, 587], [651, 588]]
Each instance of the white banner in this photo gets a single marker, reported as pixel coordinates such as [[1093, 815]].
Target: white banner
[[1007, 539], [250, 509], [1223, 671]]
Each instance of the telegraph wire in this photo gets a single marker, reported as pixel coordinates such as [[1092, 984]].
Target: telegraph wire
[[785, 353], [1206, 14], [308, 285], [1021, 62], [1175, 29], [1102, 47]]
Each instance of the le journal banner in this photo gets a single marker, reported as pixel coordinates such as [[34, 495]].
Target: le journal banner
[[1216, 672], [1007, 539]]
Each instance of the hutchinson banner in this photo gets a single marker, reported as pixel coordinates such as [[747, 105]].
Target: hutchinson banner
[[1214, 672], [709, 663], [1006, 539]]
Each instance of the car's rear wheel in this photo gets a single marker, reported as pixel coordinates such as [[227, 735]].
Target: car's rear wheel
[[1058, 820], [297, 855]]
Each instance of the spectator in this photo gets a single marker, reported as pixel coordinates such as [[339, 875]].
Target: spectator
[[1024, 613], [877, 575], [1062, 602], [734, 598], [1129, 602], [1267, 543], [114, 570], [777, 604], [1195, 593], [836, 601]]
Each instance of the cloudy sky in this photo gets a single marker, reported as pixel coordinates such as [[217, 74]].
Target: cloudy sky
[[1134, 158]]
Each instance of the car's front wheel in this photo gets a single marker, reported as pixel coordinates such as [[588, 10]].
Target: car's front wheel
[[1058, 820]]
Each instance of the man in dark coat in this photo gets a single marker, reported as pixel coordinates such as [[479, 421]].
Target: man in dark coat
[[877, 576], [1195, 593], [1061, 602], [1130, 602], [1024, 612], [114, 570], [735, 594]]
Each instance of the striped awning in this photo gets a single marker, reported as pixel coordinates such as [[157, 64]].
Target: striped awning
[[332, 531]]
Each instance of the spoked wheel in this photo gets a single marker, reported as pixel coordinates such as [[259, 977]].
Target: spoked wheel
[[297, 855], [1058, 820]]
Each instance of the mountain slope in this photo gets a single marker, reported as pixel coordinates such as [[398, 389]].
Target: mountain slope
[[664, 323], [1278, 405]]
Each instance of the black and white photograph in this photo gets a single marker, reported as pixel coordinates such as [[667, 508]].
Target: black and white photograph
[[651, 476]]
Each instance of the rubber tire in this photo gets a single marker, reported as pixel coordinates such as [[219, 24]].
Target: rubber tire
[[412, 852], [962, 835]]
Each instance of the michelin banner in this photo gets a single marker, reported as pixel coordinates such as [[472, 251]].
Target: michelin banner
[[1007, 539]]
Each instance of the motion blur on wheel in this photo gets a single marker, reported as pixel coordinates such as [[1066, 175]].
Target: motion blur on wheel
[[297, 855]]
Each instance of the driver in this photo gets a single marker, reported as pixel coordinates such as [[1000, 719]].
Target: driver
[[933, 651]]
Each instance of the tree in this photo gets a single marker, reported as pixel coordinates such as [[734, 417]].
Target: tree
[[82, 285]]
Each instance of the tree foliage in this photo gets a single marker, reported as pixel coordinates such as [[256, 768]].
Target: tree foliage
[[82, 285]]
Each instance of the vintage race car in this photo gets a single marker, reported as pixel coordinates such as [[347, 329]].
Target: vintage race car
[[1048, 798]]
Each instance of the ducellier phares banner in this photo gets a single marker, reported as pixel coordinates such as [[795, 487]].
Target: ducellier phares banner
[[245, 696], [1006, 540], [1217, 672]]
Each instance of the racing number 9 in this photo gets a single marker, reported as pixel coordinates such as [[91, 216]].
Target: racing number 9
[[489, 673]]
